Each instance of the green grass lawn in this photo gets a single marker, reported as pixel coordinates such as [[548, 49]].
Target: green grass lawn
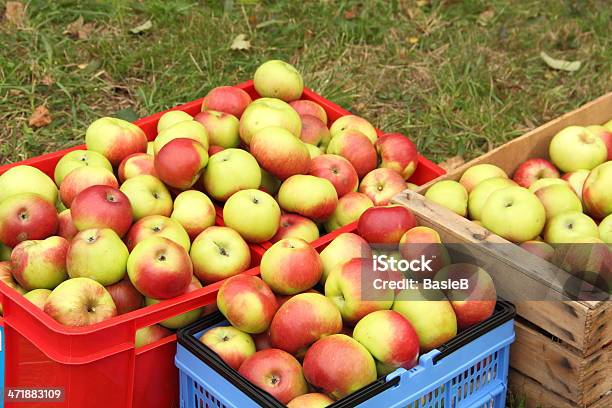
[[458, 77]]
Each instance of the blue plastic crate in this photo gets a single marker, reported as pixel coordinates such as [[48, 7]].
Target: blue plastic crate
[[470, 371]]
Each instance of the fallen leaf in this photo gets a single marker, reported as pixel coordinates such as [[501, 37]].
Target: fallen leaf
[[47, 80], [423, 3], [452, 163], [82, 66], [15, 92], [413, 40], [240, 43], [14, 13], [351, 13], [561, 65], [40, 117], [126, 114], [78, 29], [147, 25], [485, 17]]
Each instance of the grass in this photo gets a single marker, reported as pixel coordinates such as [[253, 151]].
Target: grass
[[458, 77]]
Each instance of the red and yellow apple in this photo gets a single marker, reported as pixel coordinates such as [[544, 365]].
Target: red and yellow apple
[[228, 99], [40, 264], [339, 171], [307, 195], [115, 139], [398, 153], [381, 185], [26, 216], [102, 207], [279, 152], [385, 225], [231, 344], [354, 146]]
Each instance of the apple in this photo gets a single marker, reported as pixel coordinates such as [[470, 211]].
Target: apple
[[605, 229], [27, 179], [182, 130], [308, 317], [475, 304], [135, 165], [278, 79], [339, 365], [172, 117], [576, 180], [575, 148], [245, 206], [230, 171], [125, 296], [265, 112], [115, 139], [276, 372], [342, 249], [518, 204], [262, 340], [194, 211], [381, 185], [431, 315], [26, 216], [222, 128], [352, 122], [589, 259], [558, 199], [314, 131], [159, 268], [296, 226], [5, 253], [40, 264], [424, 241], [349, 209], [478, 173], [79, 158], [532, 170], [98, 254], [82, 178], [398, 153], [354, 146], [450, 194], [213, 149], [6, 276], [269, 183], [305, 107], [307, 195], [350, 292], [231, 344], [279, 152], [567, 227], [313, 151], [150, 148], [150, 334], [102, 207], [38, 297], [597, 191], [339, 171], [291, 266], [228, 99], [480, 194], [391, 340], [605, 134], [247, 303], [181, 162], [148, 196], [218, 253], [80, 302], [385, 225], [545, 182], [66, 228], [310, 400], [538, 248], [157, 225], [183, 319]]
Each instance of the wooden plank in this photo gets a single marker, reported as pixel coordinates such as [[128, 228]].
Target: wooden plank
[[559, 368]]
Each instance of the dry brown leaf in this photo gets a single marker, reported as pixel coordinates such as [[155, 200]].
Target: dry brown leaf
[[79, 30], [485, 17], [15, 92], [452, 163], [240, 43], [351, 13], [40, 117], [14, 13], [47, 80]]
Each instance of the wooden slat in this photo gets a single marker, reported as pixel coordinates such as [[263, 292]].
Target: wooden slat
[[560, 368]]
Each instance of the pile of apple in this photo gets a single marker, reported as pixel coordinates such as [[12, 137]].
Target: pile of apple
[[136, 220], [561, 201], [304, 333]]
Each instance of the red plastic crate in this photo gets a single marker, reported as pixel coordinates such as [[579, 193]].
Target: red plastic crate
[[98, 365]]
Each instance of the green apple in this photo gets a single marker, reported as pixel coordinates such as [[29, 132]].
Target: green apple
[[567, 227], [40, 264], [479, 195], [558, 199], [79, 158], [278, 79], [222, 128], [189, 129], [183, 319], [478, 173], [229, 171], [194, 211], [545, 182], [575, 148], [349, 209], [605, 229], [148, 196], [514, 213], [232, 345], [171, 118], [296, 226], [150, 334], [313, 150], [38, 297], [342, 249], [576, 180], [245, 206], [153, 225], [265, 112], [450, 194], [27, 179]]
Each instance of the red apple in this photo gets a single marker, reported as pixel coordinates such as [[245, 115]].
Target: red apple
[[305, 107], [339, 171], [102, 207], [279, 152], [381, 185], [227, 99], [84, 177], [135, 165], [532, 170], [181, 162], [314, 131], [385, 225], [125, 296], [276, 372], [26, 216], [115, 139], [356, 148], [262, 340], [398, 153], [296, 226], [66, 228]]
